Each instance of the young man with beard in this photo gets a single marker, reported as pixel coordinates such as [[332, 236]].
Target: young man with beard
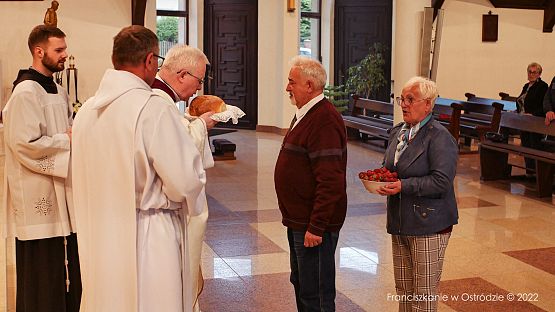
[[310, 182], [37, 205]]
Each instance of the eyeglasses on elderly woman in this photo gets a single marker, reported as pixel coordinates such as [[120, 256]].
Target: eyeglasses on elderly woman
[[409, 101]]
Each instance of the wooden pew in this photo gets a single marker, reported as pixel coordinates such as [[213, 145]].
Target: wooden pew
[[506, 97], [449, 116], [476, 118], [494, 163], [508, 105], [369, 119], [373, 119]]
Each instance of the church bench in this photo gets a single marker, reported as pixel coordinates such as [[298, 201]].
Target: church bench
[[369, 119], [373, 119], [449, 116], [494, 156], [506, 97], [508, 103], [476, 118]]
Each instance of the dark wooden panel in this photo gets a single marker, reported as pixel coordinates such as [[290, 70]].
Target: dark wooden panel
[[549, 16], [490, 24], [519, 4], [138, 8], [358, 26], [231, 46], [436, 4]]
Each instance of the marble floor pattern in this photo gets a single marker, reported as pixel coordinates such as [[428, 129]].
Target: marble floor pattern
[[503, 246]]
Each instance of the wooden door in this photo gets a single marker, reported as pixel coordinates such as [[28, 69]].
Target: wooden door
[[230, 42], [358, 25]]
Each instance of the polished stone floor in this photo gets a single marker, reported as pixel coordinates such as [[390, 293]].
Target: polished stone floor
[[504, 244]]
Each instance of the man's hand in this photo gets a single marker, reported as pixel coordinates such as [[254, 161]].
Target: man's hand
[[311, 240], [549, 117], [210, 123], [390, 189]]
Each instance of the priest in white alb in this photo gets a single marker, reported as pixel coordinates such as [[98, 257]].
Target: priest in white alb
[[177, 80], [137, 178]]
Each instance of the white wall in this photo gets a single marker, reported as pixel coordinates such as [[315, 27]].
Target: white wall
[[407, 34], [327, 37], [278, 38], [89, 25], [467, 64], [196, 21]]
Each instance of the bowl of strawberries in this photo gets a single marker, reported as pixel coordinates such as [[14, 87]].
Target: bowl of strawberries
[[374, 179]]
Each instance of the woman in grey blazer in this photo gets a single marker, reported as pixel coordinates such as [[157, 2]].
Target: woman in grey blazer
[[421, 205]]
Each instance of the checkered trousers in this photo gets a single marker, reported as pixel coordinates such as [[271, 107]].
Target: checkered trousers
[[417, 264]]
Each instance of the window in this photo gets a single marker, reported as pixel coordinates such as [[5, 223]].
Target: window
[[172, 23], [311, 26]]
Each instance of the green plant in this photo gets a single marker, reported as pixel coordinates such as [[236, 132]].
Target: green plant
[[305, 22], [166, 28], [367, 77], [338, 96]]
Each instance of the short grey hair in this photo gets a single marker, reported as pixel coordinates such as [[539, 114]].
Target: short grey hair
[[426, 87], [536, 65], [181, 57], [311, 69]]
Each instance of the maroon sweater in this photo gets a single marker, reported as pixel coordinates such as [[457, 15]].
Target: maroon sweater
[[310, 173]]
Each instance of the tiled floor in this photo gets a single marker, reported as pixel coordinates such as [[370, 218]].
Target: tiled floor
[[504, 244]]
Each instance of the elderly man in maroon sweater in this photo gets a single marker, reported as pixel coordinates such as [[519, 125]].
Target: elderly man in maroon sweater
[[310, 184]]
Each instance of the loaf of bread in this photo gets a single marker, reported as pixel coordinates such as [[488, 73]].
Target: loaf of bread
[[206, 103]]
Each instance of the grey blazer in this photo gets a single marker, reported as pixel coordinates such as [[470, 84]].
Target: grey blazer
[[427, 168]]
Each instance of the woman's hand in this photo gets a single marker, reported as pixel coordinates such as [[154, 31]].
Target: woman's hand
[[549, 116], [390, 189]]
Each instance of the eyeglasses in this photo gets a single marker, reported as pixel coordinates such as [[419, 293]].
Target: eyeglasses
[[160, 59], [533, 72], [200, 81], [409, 101]]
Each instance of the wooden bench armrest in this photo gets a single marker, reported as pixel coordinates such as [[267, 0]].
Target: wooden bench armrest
[[519, 150]]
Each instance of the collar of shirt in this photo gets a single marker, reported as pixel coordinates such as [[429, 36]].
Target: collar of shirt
[[167, 84], [414, 129], [303, 110]]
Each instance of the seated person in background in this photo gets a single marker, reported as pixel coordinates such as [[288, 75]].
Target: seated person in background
[[530, 101], [549, 103], [549, 108]]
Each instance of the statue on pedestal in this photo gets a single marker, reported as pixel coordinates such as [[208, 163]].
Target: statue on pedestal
[[50, 18]]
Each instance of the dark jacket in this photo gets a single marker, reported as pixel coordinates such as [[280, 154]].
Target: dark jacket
[[426, 204], [549, 98], [533, 102], [310, 174]]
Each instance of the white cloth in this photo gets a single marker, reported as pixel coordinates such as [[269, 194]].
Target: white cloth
[[159, 240], [129, 153], [231, 112], [196, 225], [36, 195], [305, 108]]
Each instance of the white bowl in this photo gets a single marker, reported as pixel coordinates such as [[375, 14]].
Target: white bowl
[[373, 186]]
